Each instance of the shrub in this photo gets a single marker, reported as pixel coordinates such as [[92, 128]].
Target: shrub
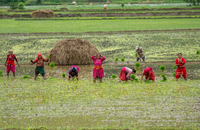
[[20, 5], [132, 76], [122, 5], [174, 67], [162, 68], [198, 52], [164, 78], [13, 5], [137, 64], [2, 11], [174, 74], [26, 77], [116, 59], [122, 59], [52, 64], [114, 76], [63, 75]]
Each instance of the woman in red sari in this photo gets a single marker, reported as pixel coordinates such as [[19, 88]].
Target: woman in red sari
[[180, 63], [149, 74], [10, 63]]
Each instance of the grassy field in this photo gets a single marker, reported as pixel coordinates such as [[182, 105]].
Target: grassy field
[[59, 104], [160, 46], [110, 6], [12, 26]]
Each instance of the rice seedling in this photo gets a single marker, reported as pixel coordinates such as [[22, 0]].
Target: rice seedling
[[116, 59], [52, 64], [26, 77], [137, 64], [122, 59], [174, 74], [1, 73], [174, 67], [197, 52], [132, 76], [164, 78], [135, 54], [162, 68], [63, 75], [114, 76]]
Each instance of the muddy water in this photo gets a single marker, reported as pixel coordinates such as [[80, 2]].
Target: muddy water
[[193, 70]]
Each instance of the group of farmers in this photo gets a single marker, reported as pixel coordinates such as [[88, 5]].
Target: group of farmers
[[98, 71]]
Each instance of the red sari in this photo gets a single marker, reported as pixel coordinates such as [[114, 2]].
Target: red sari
[[181, 68], [149, 73]]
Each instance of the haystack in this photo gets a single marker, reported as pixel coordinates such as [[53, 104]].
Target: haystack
[[72, 52], [42, 13]]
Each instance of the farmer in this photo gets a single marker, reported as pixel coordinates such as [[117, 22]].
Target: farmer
[[73, 72], [140, 53], [180, 63], [149, 74], [105, 7], [10, 63], [125, 74], [39, 65], [98, 69]]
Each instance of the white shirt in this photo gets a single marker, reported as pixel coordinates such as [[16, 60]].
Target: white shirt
[[105, 5]]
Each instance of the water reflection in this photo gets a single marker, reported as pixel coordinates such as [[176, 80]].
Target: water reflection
[[86, 70]]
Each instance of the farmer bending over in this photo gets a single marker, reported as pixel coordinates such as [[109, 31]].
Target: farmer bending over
[[125, 74], [73, 72]]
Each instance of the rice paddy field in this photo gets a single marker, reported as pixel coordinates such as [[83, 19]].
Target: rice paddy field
[[59, 104]]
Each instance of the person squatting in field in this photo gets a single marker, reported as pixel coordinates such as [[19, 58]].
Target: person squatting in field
[[125, 74], [180, 63], [73, 72], [39, 65], [140, 53], [10, 63], [98, 69], [149, 74]]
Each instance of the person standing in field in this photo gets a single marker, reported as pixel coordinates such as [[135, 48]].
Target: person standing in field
[[105, 7], [125, 74], [149, 74], [140, 53], [73, 72], [98, 69], [10, 63], [180, 63], [39, 65]]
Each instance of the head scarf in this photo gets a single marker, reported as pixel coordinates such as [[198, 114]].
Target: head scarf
[[147, 70], [39, 54], [10, 51]]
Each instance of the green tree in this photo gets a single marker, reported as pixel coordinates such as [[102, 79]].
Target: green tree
[[20, 5]]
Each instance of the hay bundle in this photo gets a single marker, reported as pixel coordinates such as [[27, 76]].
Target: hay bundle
[[91, 3], [108, 2], [72, 52], [42, 13]]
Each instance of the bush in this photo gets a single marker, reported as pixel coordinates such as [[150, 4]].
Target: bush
[[174, 67], [164, 78], [122, 59], [198, 52], [26, 77], [2, 11], [114, 76], [174, 74], [122, 5], [13, 5], [20, 5], [52, 64], [137, 64], [132, 76], [116, 59], [63, 75], [162, 68]]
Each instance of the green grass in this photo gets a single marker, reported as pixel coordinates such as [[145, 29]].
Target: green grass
[[57, 103], [11, 26]]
